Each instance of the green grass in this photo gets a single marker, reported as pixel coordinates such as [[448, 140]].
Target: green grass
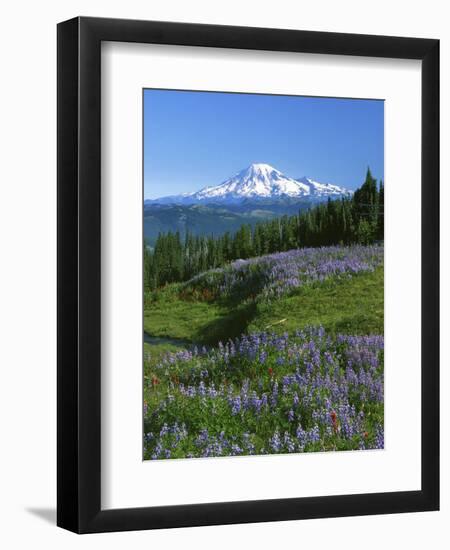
[[171, 317], [159, 350], [354, 306]]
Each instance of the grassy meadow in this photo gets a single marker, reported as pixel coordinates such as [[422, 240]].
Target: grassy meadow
[[276, 354]]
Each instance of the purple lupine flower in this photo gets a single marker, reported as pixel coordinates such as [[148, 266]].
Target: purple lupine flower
[[379, 437], [321, 376], [276, 274], [275, 442], [289, 443], [314, 434], [302, 437], [164, 430], [235, 405], [235, 449]]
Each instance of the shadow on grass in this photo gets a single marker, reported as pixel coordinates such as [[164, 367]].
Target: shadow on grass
[[228, 326]]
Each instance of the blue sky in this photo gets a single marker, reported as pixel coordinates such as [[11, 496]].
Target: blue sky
[[196, 139]]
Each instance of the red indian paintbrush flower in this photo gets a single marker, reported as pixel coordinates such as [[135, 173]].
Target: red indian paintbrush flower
[[334, 420]]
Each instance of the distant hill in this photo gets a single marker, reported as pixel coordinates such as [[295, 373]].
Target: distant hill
[[212, 219]]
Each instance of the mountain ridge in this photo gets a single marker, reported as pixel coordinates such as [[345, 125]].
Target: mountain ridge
[[259, 181]]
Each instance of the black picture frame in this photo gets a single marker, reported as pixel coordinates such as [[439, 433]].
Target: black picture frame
[[79, 281]]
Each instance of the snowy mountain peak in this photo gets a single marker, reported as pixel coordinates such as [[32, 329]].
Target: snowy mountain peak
[[260, 181], [256, 181], [259, 170], [260, 167]]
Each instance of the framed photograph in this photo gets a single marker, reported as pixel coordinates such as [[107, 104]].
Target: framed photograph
[[248, 258]]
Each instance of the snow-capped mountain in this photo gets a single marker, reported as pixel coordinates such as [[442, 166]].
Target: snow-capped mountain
[[257, 182], [324, 190]]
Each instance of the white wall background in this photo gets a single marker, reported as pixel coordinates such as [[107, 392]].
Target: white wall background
[[28, 270]]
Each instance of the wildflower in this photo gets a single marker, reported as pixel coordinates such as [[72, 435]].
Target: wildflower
[[275, 442], [379, 437], [334, 421], [288, 442], [301, 437], [328, 385]]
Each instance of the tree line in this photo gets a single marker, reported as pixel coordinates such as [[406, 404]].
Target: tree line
[[358, 219]]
